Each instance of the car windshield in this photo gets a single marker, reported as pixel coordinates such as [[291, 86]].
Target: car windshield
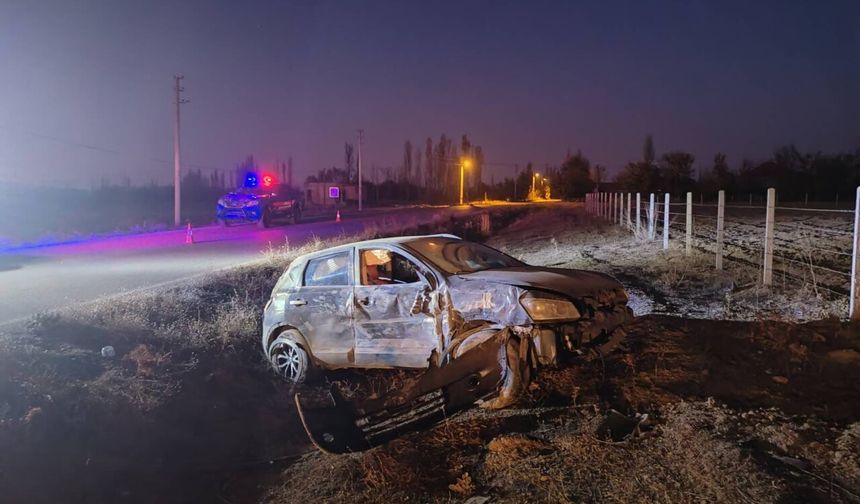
[[457, 256]]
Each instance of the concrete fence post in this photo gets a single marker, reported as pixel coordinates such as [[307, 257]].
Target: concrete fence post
[[767, 275], [613, 207], [629, 220], [853, 310], [620, 208], [688, 238], [486, 226], [721, 226], [651, 217], [666, 222], [638, 214]]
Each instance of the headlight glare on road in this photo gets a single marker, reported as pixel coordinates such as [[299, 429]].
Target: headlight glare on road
[[546, 307]]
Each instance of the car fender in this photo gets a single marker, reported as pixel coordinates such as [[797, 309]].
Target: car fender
[[295, 335]]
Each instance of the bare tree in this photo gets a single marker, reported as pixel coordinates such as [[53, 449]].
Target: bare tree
[[648, 152], [349, 160], [406, 174]]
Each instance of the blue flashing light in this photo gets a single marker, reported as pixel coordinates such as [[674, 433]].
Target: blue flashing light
[[251, 180]]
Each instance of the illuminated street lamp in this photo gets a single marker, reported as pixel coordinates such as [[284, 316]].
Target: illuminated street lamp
[[464, 163]]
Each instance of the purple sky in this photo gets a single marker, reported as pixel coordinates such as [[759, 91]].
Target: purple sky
[[85, 86]]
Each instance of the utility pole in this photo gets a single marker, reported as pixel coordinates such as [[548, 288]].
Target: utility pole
[[177, 176], [360, 141]]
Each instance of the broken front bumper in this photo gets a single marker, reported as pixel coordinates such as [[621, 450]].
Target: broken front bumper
[[336, 425]]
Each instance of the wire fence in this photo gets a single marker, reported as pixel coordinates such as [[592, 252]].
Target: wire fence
[[792, 244]]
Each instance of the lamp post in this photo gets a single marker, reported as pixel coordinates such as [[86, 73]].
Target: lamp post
[[464, 163], [533, 194]]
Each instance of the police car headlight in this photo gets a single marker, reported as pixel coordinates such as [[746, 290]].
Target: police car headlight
[[544, 307]]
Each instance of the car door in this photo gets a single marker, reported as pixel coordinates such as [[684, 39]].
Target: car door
[[393, 324], [322, 308]]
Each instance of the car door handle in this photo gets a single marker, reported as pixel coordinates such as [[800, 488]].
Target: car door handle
[[365, 301], [298, 302]]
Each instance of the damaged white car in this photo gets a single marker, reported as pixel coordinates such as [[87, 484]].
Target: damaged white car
[[478, 320]]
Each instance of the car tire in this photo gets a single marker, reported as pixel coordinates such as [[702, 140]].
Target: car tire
[[223, 223], [265, 220], [289, 359]]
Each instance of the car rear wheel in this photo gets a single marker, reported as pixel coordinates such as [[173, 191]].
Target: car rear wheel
[[289, 359], [265, 219]]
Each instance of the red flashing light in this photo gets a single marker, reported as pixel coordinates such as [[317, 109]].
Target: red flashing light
[[268, 181]]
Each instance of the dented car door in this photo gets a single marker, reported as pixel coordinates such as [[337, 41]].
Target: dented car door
[[321, 308], [394, 326]]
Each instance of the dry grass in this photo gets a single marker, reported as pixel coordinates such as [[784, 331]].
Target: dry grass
[[692, 457]]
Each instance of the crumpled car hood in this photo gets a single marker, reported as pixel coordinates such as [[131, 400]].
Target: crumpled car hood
[[569, 282]]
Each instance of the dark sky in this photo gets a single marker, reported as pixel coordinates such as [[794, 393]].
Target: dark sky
[[85, 86]]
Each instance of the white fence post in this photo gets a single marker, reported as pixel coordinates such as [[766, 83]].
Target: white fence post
[[629, 220], [767, 276], [666, 223], [853, 312], [638, 213], [620, 208], [651, 218], [688, 239], [721, 225]]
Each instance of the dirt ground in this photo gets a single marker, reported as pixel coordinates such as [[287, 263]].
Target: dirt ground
[[722, 392]]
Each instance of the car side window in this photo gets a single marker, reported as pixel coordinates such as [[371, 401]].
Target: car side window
[[384, 267], [329, 270]]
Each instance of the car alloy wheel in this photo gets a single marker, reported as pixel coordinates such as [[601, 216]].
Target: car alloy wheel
[[289, 360]]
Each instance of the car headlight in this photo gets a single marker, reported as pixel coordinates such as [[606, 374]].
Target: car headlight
[[543, 307]]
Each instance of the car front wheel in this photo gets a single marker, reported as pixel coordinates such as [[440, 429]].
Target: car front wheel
[[289, 359]]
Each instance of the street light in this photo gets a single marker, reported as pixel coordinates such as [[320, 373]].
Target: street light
[[535, 176], [464, 163]]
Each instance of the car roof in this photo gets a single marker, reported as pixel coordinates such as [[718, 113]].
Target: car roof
[[393, 240]]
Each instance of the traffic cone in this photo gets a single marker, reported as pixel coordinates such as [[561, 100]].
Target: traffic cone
[[189, 235], [337, 218]]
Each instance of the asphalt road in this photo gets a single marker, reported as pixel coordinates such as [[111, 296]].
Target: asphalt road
[[44, 278]]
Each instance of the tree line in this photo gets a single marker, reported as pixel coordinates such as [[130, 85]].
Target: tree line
[[797, 176]]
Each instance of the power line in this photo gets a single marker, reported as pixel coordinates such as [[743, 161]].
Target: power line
[[105, 150]]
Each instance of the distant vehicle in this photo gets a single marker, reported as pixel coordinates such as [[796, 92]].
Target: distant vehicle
[[467, 313], [266, 205]]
